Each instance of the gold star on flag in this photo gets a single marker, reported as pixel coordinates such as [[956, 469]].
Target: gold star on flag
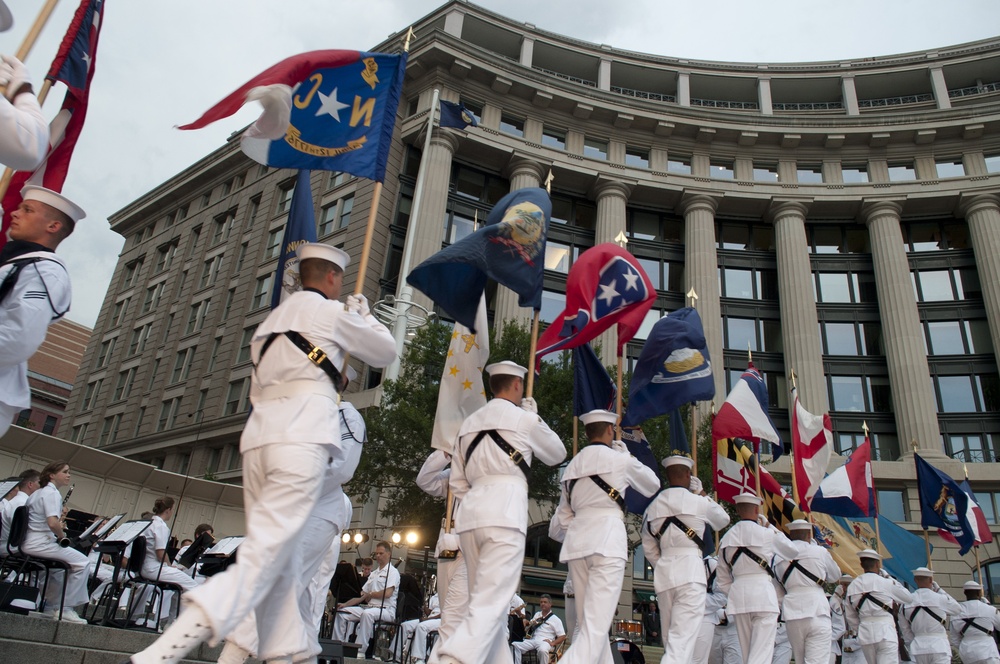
[[455, 335], [454, 370], [467, 384], [451, 352]]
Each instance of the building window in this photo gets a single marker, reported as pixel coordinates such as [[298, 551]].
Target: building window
[[244, 354], [854, 174], [976, 448], [902, 173], [553, 138], [718, 170], [49, 426], [947, 285], [968, 394], [808, 174], [120, 311], [679, 165], [747, 284], [131, 273], [553, 304], [337, 179], [853, 339], [210, 271], [109, 432], [197, 316], [336, 215], [285, 192], [153, 295], [753, 334], [636, 157], [512, 125], [751, 237], [957, 337], [236, 397], [578, 212], [182, 364], [224, 224], [165, 257], [346, 206], [124, 385], [949, 168], [152, 374], [860, 394], [90, 396], [892, 505], [206, 199], [595, 148], [273, 247], [230, 296], [935, 236], [328, 215], [557, 257], [479, 186], [140, 336], [459, 223], [193, 246], [841, 239], [166, 328], [79, 432], [216, 345], [104, 355], [168, 413], [845, 287], [261, 293], [765, 173]]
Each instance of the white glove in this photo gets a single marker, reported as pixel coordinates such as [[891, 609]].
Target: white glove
[[358, 304], [619, 446], [528, 403], [449, 542], [935, 587], [15, 73], [696, 486]]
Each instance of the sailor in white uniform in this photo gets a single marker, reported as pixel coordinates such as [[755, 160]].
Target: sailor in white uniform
[[24, 133], [589, 523], [974, 628], [869, 610], [838, 621], [672, 533], [708, 645], [924, 621]]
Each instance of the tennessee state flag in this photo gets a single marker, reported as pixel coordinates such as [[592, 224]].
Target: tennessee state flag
[[339, 117], [812, 447], [74, 65], [605, 286]]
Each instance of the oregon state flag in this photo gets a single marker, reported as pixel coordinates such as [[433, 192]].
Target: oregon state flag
[[734, 468], [323, 110]]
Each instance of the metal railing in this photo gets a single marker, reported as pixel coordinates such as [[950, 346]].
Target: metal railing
[[734, 105], [642, 94], [808, 106], [895, 101]]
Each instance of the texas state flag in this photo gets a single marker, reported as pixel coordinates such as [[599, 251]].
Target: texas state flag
[[744, 413], [848, 491]]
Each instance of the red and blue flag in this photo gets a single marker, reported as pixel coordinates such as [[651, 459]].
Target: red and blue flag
[[744, 413], [849, 490]]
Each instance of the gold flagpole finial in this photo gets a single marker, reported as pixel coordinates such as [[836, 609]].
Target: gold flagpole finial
[[864, 427], [914, 445], [749, 353], [791, 375], [548, 182], [621, 240], [692, 297], [475, 221], [406, 40]]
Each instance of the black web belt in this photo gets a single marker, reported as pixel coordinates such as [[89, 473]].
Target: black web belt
[[508, 449], [796, 565], [917, 609], [869, 597], [710, 575], [744, 551], [613, 493], [315, 354], [681, 526], [971, 622]]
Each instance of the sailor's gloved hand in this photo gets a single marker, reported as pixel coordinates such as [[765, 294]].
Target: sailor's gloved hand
[[619, 446], [14, 75], [357, 303], [528, 403], [696, 487]]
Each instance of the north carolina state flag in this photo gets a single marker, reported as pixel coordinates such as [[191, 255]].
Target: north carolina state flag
[[605, 286]]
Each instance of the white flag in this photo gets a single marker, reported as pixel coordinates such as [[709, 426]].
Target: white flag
[[462, 391]]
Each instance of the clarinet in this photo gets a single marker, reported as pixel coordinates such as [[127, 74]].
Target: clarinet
[[68, 494], [66, 542]]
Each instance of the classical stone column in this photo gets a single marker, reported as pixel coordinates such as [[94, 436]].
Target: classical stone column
[[799, 322], [701, 272], [428, 230], [522, 172], [909, 375], [982, 213], [612, 198]]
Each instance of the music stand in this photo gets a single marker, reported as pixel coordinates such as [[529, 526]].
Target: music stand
[[222, 555], [115, 545], [6, 486]]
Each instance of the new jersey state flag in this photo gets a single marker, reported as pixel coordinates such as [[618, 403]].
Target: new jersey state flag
[[606, 285], [323, 110]]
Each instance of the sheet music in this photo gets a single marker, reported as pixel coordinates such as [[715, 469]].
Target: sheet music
[[7, 485], [111, 523], [128, 531], [225, 546]]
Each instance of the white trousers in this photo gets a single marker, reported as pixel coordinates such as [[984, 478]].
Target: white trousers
[[883, 652], [453, 590], [167, 574], [542, 647], [810, 639], [494, 557], [757, 631], [572, 628], [730, 643], [681, 609], [365, 618], [281, 484], [44, 545], [707, 644], [597, 583], [401, 640], [932, 658], [419, 648], [782, 648]]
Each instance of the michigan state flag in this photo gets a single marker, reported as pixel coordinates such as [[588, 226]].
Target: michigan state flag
[[943, 504]]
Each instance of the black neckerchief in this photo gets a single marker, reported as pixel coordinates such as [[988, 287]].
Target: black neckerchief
[[310, 289], [15, 248]]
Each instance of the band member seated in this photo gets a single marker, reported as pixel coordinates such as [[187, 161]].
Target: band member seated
[[156, 566], [27, 485], [379, 594], [45, 529], [543, 633]]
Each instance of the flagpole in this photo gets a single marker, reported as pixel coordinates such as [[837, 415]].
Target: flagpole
[[791, 453], [530, 388], [979, 569], [927, 540], [878, 531], [576, 433], [692, 297], [22, 55], [618, 399]]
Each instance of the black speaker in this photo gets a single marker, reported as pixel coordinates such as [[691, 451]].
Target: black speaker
[[9, 592], [334, 652]]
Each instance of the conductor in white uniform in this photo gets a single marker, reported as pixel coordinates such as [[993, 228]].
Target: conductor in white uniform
[[805, 607], [496, 445], [973, 629], [924, 621], [589, 522], [290, 440], [672, 532], [869, 610]]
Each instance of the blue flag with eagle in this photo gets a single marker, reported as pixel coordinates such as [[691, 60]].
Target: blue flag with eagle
[[509, 249], [943, 504]]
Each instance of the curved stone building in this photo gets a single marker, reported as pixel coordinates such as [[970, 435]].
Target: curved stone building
[[840, 219]]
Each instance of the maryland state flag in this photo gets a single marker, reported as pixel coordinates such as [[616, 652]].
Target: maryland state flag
[[734, 468], [329, 110], [510, 249]]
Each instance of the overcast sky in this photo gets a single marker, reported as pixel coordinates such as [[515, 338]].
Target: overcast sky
[[160, 64]]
